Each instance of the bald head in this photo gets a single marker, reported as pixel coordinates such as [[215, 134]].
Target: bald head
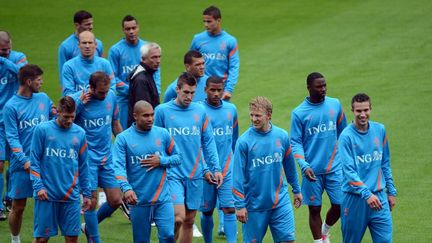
[[5, 44], [142, 105], [143, 114], [87, 44], [86, 34], [4, 36]]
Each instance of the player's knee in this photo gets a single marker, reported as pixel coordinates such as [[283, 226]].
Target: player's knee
[[189, 222], [315, 211], [114, 199], [18, 208], [228, 210], [179, 219], [1, 166], [93, 203]]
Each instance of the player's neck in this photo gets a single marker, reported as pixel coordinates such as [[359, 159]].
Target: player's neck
[[24, 92], [360, 127]]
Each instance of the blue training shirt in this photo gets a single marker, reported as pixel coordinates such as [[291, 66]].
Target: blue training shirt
[[200, 94], [192, 133], [365, 159], [59, 162], [315, 129], [221, 56], [260, 160], [132, 146]]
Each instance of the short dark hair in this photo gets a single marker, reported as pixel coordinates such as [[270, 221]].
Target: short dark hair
[[214, 80], [191, 54], [29, 71], [66, 104], [213, 11], [128, 18], [312, 76], [81, 15], [361, 97], [186, 78], [98, 77]]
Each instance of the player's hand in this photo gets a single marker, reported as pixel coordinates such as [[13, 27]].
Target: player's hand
[[130, 197], [298, 198], [42, 195], [374, 203], [226, 95], [151, 161], [391, 201], [85, 97], [242, 215], [219, 179], [27, 166], [310, 175], [86, 204], [210, 178]]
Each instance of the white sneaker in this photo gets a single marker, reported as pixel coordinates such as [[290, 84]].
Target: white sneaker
[[101, 198], [325, 238], [196, 232]]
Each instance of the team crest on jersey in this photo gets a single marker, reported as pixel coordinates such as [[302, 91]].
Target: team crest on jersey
[[229, 116], [41, 106], [158, 142], [376, 142], [172, 117], [223, 46], [74, 140], [108, 106], [346, 211], [278, 143], [331, 112], [196, 118]]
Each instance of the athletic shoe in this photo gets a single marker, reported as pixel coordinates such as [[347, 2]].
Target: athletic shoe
[[125, 209], [153, 224], [8, 204], [3, 216], [221, 231], [196, 232], [325, 238]]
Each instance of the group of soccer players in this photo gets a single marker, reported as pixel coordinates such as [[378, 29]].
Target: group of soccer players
[[171, 160]]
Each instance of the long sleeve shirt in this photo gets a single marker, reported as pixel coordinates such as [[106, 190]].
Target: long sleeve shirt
[[59, 162], [315, 128], [365, 159], [132, 146], [200, 94], [260, 161], [221, 56], [193, 134]]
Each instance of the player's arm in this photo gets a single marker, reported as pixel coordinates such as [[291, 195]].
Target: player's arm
[[12, 135], [22, 60], [36, 155], [67, 80], [170, 92], [53, 110], [116, 126], [158, 117], [341, 120], [119, 161], [209, 146], [121, 86], [110, 73], [240, 159], [8, 65], [233, 67], [62, 58], [100, 48], [83, 169], [235, 129], [157, 79], [297, 142], [174, 157], [288, 164], [387, 172]]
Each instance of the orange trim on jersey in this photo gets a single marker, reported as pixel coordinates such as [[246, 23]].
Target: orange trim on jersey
[[205, 124], [35, 173], [24, 59], [238, 193], [356, 183], [233, 51], [227, 163], [224, 78], [16, 150], [83, 148], [385, 141], [298, 156], [171, 146], [288, 152], [120, 84], [121, 178], [116, 111], [277, 192], [196, 164], [71, 187], [379, 180], [162, 182], [340, 118], [331, 159], [235, 123]]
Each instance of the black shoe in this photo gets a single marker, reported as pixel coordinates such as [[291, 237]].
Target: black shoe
[[3, 216], [125, 209]]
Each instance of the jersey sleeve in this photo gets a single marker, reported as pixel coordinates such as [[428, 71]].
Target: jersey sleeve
[[119, 158], [209, 146], [12, 135], [21, 60], [235, 129], [341, 122], [233, 66], [67, 80], [122, 87], [158, 117], [8, 65], [36, 155], [170, 92], [83, 169], [174, 157], [240, 159], [109, 71], [297, 142], [53, 110], [158, 80], [386, 168], [289, 167], [116, 110], [62, 58]]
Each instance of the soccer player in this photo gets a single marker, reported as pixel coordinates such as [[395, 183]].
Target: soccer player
[[59, 172], [21, 114], [223, 118], [10, 63], [97, 114], [142, 155], [194, 64], [369, 194], [142, 85], [124, 56], [220, 50], [261, 158], [315, 127], [188, 123], [68, 49], [76, 72]]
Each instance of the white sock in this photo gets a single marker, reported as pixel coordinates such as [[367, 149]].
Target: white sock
[[325, 228], [318, 241], [15, 238]]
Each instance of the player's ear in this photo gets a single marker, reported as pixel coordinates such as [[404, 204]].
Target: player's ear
[[135, 116]]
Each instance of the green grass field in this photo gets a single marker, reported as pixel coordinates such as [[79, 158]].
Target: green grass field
[[378, 47]]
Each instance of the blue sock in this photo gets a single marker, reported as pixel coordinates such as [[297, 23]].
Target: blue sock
[[104, 212], [221, 219], [90, 218], [207, 228], [230, 228], [7, 185], [1, 191]]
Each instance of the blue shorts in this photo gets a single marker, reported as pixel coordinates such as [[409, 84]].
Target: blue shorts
[[211, 195], [143, 216], [49, 216], [186, 192], [20, 185], [102, 176], [356, 215], [123, 114], [4, 146], [312, 191], [280, 220]]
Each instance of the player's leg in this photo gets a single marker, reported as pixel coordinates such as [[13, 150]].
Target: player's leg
[[193, 192], [177, 194], [112, 191], [226, 203], [45, 221], [255, 227], [312, 196], [380, 224], [71, 239], [164, 219], [282, 224], [90, 228], [68, 217], [207, 206], [2, 207], [354, 218], [332, 185], [140, 219]]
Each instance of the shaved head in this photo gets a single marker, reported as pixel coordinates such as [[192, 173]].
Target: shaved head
[[86, 34], [4, 36], [141, 105]]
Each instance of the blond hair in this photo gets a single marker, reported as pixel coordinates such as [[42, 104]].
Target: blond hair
[[261, 102]]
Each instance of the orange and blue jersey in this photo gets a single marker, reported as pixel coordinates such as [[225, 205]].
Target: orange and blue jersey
[[132, 146], [224, 122], [69, 49], [221, 56], [9, 68], [200, 94], [76, 73], [262, 160], [315, 128], [59, 162], [21, 116], [96, 117], [365, 159], [193, 134]]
